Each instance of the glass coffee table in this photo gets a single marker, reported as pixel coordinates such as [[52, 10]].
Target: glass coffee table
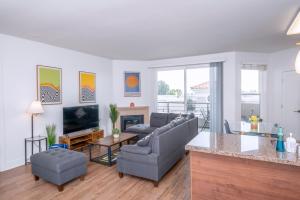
[[110, 157]]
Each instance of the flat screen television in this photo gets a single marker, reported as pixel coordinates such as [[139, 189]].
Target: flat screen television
[[80, 118]]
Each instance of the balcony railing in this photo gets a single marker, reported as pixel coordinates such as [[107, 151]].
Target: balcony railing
[[201, 110]]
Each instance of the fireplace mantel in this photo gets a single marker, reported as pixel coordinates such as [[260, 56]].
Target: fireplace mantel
[[120, 109], [137, 110]]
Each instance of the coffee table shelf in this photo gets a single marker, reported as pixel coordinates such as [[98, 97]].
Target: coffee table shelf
[[110, 157], [103, 159]]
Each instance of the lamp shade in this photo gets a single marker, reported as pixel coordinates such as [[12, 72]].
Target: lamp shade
[[297, 63], [35, 108]]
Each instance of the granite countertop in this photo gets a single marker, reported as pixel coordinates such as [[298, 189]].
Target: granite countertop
[[241, 146]]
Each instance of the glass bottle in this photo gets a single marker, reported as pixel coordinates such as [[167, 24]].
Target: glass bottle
[[280, 142]]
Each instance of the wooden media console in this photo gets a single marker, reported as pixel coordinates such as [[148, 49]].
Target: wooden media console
[[80, 140]]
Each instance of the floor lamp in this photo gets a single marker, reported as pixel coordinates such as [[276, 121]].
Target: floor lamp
[[34, 109]]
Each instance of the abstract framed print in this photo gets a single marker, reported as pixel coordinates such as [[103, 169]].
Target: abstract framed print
[[132, 84], [49, 85], [87, 87]]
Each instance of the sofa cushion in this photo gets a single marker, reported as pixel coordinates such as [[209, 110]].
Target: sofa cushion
[[172, 116], [137, 128], [150, 159], [158, 119], [136, 149], [144, 141], [149, 130], [163, 129]]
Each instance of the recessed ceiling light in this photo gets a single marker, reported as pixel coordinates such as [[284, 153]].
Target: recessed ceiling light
[[295, 26]]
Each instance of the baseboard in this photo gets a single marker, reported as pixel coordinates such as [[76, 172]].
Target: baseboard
[[10, 164]]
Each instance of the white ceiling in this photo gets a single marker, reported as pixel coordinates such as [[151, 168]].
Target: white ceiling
[[153, 29]]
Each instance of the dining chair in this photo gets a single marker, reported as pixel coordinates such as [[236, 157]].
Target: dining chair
[[206, 118], [227, 127]]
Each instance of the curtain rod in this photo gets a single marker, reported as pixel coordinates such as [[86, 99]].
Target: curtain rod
[[184, 65]]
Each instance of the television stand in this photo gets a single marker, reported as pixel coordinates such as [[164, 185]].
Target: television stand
[[79, 140]]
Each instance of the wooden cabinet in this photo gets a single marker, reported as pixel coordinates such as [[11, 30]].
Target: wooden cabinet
[[231, 178], [78, 141]]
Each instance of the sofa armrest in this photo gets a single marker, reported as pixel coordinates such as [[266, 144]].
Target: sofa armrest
[[145, 150]]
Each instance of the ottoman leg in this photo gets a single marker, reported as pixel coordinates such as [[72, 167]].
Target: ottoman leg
[[187, 152], [155, 183], [82, 178], [36, 178], [60, 188]]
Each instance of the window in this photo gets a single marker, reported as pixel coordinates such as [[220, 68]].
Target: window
[[250, 93]]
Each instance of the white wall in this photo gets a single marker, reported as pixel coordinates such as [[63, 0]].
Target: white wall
[[19, 60], [279, 62], [2, 135], [147, 81], [148, 71]]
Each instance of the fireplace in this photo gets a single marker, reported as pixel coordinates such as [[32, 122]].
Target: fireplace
[[130, 120]]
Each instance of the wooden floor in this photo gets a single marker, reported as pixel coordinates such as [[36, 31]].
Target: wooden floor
[[101, 182]]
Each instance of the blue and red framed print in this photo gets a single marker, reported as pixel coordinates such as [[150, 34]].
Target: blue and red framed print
[[132, 84]]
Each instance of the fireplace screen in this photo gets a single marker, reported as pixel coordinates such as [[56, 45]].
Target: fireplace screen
[[130, 120]]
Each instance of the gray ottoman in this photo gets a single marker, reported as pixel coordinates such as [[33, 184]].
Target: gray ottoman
[[58, 166]]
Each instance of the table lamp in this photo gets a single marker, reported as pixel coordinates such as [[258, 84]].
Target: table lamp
[[35, 108]]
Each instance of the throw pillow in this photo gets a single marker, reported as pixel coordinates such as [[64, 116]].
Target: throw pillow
[[163, 129], [178, 121], [190, 116], [144, 141]]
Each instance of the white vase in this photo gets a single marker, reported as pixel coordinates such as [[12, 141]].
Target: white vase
[[116, 136]]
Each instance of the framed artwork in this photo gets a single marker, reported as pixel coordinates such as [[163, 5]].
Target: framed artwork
[[49, 89], [87, 87], [132, 84]]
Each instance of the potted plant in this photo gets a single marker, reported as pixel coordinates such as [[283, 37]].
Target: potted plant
[[96, 129], [114, 114], [51, 135], [116, 133]]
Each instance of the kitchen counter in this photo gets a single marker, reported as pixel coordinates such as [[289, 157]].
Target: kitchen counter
[[241, 146], [234, 167]]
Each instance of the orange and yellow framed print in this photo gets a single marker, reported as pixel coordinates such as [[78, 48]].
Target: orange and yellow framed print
[[132, 84], [49, 89], [87, 87]]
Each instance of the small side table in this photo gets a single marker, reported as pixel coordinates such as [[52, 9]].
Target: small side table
[[31, 140]]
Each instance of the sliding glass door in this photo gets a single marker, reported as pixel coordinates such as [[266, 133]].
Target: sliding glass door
[[191, 90], [198, 94], [170, 91]]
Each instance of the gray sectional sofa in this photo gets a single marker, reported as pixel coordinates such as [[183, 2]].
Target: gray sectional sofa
[[157, 120], [156, 153]]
